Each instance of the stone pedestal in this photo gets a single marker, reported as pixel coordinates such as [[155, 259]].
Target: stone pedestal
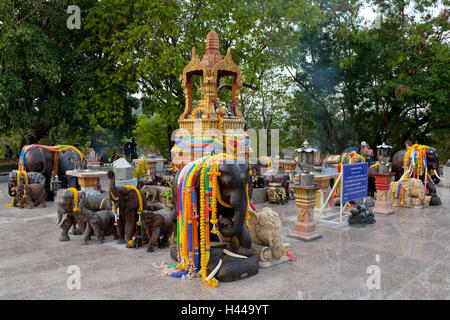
[[324, 182], [305, 200], [272, 187], [88, 179], [382, 184]]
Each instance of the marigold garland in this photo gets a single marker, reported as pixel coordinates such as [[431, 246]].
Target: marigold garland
[[414, 164], [188, 245], [75, 199]]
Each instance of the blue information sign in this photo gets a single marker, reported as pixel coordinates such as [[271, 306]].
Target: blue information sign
[[354, 181]]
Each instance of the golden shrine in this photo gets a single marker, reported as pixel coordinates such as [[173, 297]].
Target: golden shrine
[[207, 126]]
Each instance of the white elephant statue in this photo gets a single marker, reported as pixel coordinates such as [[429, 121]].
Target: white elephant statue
[[265, 232]]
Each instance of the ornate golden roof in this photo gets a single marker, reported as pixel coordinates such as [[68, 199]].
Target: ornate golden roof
[[211, 68]]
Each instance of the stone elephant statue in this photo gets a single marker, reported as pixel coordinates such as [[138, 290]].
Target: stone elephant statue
[[414, 193], [265, 232], [66, 161], [32, 177], [31, 194], [127, 202], [40, 160], [433, 164], [68, 208], [233, 180], [101, 222], [152, 193]]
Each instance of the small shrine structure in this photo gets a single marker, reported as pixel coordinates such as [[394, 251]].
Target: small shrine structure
[[208, 126]]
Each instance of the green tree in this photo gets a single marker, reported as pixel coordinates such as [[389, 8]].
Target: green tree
[[145, 46], [45, 80]]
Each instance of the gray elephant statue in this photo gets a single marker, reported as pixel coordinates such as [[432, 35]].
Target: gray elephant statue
[[101, 222], [66, 161], [152, 193], [67, 202], [13, 182]]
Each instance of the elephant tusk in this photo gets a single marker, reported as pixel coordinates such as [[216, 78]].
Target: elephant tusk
[[114, 198], [234, 255], [103, 201], [436, 174], [62, 220], [216, 269]]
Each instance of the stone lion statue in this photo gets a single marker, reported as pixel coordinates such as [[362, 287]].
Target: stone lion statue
[[265, 232], [414, 193]]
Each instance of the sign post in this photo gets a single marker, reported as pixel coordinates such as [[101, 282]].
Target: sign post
[[354, 184], [354, 178]]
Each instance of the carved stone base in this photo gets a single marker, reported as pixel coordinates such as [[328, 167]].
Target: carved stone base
[[232, 269], [305, 227], [273, 262], [383, 183], [305, 236], [382, 207]]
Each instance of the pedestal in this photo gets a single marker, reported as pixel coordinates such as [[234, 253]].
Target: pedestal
[[382, 185], [305, 200], [324, 182], [271, 193], [88, 179]]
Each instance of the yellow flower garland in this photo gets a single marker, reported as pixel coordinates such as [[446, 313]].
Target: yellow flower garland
[[18, 173], [75, 199], [185, 258], [139, 211]]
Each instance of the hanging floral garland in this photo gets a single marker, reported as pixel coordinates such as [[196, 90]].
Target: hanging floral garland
[[193, 249], [414, 165]]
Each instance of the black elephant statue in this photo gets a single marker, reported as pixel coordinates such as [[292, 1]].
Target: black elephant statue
[[13, 182], [127, 200], [433, 164], [66, 161], [40, 160], [238, 261], [68, 208]]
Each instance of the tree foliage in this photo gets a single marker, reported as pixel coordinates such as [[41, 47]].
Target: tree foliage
[[46, 81]]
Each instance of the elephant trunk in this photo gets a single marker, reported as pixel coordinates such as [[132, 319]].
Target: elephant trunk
[[60, 220], [240, 206], [113, 193]]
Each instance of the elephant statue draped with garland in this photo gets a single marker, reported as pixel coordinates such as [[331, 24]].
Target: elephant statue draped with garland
[[13, 182], [127, 201], [414, 193], [31, 194], [233, 262], [433, 170]]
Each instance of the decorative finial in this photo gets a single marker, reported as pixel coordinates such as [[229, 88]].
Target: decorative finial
[[212, 41]]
